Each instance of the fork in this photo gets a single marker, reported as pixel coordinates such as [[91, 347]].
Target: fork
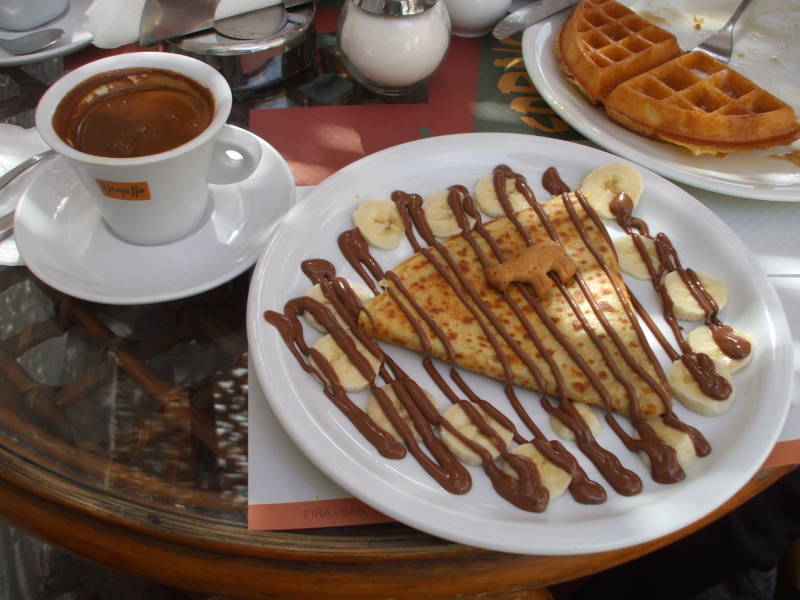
[[720, 45]]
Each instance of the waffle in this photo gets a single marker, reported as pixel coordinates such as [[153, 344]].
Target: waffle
[[604, 43], [700, 103]]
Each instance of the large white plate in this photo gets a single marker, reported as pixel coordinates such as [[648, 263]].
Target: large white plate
[[65, 242], [75, 36], [740, 439], [766, 48]]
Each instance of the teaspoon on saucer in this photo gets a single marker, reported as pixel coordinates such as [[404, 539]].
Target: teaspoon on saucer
[[31, 42], [7, 221]]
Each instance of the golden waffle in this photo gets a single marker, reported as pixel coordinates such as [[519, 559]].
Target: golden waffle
[[698, 102], [604, 43]]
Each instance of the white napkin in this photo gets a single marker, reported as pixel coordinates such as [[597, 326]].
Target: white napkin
[[16, 144], [114, 23]]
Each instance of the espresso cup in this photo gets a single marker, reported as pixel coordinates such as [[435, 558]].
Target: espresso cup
[[158, 196]]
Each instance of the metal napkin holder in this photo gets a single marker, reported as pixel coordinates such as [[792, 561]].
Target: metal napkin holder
[[263, 61]]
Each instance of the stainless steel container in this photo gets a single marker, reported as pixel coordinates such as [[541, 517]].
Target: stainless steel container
[[255, 59]]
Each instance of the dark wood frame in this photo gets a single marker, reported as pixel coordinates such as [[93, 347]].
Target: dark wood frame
[[349, 564]]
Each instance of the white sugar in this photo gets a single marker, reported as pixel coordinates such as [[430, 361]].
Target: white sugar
[[395, 51]]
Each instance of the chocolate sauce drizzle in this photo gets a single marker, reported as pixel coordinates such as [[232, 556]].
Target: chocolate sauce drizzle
[[445, 469], [410, 208], [525, 489], [664, 465], [699, 365]]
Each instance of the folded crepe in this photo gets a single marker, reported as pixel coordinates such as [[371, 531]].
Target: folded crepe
[[435, 299]]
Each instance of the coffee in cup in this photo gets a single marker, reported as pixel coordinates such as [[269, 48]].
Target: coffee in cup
[[133, 112], [143, 131]]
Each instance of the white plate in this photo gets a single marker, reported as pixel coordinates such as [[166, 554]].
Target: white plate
[[75, 36], [64, 241], [740, 439], [767, 59]]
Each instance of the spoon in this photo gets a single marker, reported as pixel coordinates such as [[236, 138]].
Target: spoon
[[31, 42], [7, 221]]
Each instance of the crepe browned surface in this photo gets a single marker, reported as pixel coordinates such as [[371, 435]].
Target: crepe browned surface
[[387, 322]]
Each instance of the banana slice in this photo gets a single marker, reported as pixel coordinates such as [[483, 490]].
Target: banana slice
[[440, 218], [350, 378], [315, 292], [684, 304], [602, 184], [554, 478], [588, 415], [680, 440], [630, 261], [379, 223], [701, 340], [376, 413], [459, 419], [686, 389], [487, 200]]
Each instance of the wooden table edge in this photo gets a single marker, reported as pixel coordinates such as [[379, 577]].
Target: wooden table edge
[[165, 547]]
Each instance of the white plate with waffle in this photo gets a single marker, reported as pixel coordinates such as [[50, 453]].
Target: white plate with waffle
[[766, 59]]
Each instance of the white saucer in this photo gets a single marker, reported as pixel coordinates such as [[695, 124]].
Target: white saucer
[[65, 243], [75, 36]]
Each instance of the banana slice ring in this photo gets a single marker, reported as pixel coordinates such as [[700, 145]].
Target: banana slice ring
[[586, 413], [315, 293], [487, 200], [459, 420], [554, 478], [687, 390], [380, 223], [604, 183], [381, 419], [684, 304], [440, 218], [350, 378], [630, 260], [701, 340], [679, 440]]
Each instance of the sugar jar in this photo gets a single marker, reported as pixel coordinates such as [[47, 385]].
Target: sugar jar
[[393, 46]]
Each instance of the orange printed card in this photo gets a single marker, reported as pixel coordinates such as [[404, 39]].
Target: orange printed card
[[132, 190]]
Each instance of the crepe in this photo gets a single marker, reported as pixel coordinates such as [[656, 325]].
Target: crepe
[[384, 318]]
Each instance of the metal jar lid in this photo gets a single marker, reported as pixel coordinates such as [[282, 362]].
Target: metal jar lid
[[395, 8]]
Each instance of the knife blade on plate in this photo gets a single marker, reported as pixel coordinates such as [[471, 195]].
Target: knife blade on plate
[[528, 15], [165, 19]]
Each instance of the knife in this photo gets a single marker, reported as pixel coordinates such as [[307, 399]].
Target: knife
[[528, 15], [165, 19]]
